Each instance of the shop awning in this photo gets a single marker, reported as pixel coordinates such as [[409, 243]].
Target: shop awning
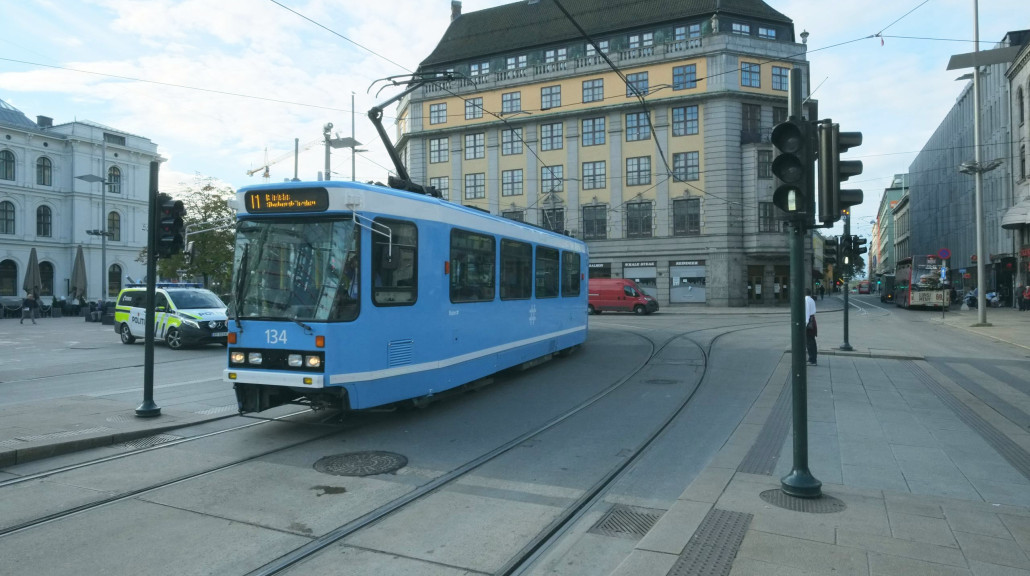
[[1017, 216]]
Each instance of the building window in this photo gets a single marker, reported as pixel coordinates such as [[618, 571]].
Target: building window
[[559, 55], [686, 217], [779, 115], [44, 222], [475, 186], [765, 163], [593, 90], [1022, 162], [114, 139], [684, 121], [479, 69], [780, 78], [750, 75], [513, 62], [595, 222], [551, 136], [767, 220], [553, 219], [6, 165], [603, 44], [638, 220], [767, 33], [46, 275], [593, 131], [442, 185], [743, 29], [686, 166], [684, 77], [636, 84], [473, 108], [44, 172], [684, 32], [637, 127], [474, 147], [594, 175], [552, 179], [751, 121], [550, 97], [438, 113], [516, 215], [6, 217], [511, 183], [638, 171], [114, 226], [511, 141], [511, 102], [438, 151], [634, 41], [114, 280]]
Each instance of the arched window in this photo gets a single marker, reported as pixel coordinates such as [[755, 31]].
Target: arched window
[[44, 172], [6, 165], [114, 280], [6, 217], [114, 226], [1019, 104], [8, 278], [1022, 162], [44, 222], [46, 274], [114, 180]]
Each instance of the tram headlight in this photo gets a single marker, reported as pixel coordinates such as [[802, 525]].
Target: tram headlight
[[237, 357], [254, 358], [295, 360], [312, 361]]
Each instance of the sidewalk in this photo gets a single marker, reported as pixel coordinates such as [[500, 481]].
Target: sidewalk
[[919, 475]]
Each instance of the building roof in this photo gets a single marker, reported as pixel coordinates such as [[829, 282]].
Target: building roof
[[524, 24], [11, 116]]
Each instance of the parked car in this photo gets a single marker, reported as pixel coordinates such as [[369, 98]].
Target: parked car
[[619, 295]]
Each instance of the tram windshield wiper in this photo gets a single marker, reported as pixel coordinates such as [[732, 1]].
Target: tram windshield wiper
[[241, 282], [307, 329]]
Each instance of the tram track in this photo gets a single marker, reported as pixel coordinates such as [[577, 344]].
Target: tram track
[[550, 534]]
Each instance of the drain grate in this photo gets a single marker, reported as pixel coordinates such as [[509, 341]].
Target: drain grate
[[148, 441], [627, 521], [714, 545], [821, 505], [361, 463]]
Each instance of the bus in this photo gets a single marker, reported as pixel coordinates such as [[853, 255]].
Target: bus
[[917, 283], [863, 287]]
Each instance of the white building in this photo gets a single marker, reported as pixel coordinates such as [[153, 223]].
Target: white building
[[44, 205]]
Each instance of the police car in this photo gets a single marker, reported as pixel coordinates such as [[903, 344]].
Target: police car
[[184, 314]]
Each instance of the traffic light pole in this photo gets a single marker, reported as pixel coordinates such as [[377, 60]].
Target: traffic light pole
[[149, 409], [846, 346]]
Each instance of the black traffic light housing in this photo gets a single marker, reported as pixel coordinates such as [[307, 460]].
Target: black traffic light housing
[[858, 246], [171, 226], [833, 171], [795, 141], [831, 251]]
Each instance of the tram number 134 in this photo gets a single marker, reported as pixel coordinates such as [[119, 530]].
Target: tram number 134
[[275, 336]]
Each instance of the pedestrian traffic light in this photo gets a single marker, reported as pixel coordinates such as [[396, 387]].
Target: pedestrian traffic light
[[833, 171], [858, 245], [794, 139], [171, 228], [830, 249]]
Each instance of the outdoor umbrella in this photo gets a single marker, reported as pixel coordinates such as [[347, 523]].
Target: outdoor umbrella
[[33, 283], [78, 284]]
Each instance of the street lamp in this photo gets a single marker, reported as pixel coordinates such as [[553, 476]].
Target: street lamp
[[338, 143], [102, 232]]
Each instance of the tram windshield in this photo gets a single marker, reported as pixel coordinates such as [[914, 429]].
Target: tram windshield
[[297, 269]]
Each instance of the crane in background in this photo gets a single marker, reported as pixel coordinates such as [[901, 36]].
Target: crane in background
[[269, 163]]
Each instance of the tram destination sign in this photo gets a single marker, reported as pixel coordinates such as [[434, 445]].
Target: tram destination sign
[[291, 200]]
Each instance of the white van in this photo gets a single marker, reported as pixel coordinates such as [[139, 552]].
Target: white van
[[184, 315]]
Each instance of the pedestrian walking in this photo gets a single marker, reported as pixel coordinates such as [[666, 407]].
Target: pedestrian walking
[[811, 328], [28, 308], [1026, 298]]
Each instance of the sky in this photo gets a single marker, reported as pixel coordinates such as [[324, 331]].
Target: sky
[[222, 86]]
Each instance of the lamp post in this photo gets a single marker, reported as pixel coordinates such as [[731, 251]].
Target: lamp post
[[102, 232], [331, 142]]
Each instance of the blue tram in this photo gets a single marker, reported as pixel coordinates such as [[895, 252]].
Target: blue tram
[[353, 295]]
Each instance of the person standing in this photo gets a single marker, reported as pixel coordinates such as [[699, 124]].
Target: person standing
[[811, 328], [28, 308], [1026, 298]]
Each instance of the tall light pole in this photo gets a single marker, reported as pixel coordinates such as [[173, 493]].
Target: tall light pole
[[331, 142], [102, 232]]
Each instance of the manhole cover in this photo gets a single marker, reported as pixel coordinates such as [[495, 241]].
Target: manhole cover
[[148, 441], [627, 521], [821, 505], [361, 463]]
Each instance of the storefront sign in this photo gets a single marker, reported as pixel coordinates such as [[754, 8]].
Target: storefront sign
[[689, 263], [638, 264]]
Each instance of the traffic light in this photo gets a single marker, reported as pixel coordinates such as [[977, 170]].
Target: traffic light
[[858, 246], [171, 228], [795, 141], [830, 250], [833, 171]]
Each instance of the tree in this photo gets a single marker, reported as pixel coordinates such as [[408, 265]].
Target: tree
[[210, 226]]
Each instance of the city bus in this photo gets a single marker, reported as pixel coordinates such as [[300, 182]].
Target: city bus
[[917, 283]]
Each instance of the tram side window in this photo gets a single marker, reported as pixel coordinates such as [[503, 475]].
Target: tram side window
[[546, 272], [570, 274], [395, 264], [473, 260], [516, 270]]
